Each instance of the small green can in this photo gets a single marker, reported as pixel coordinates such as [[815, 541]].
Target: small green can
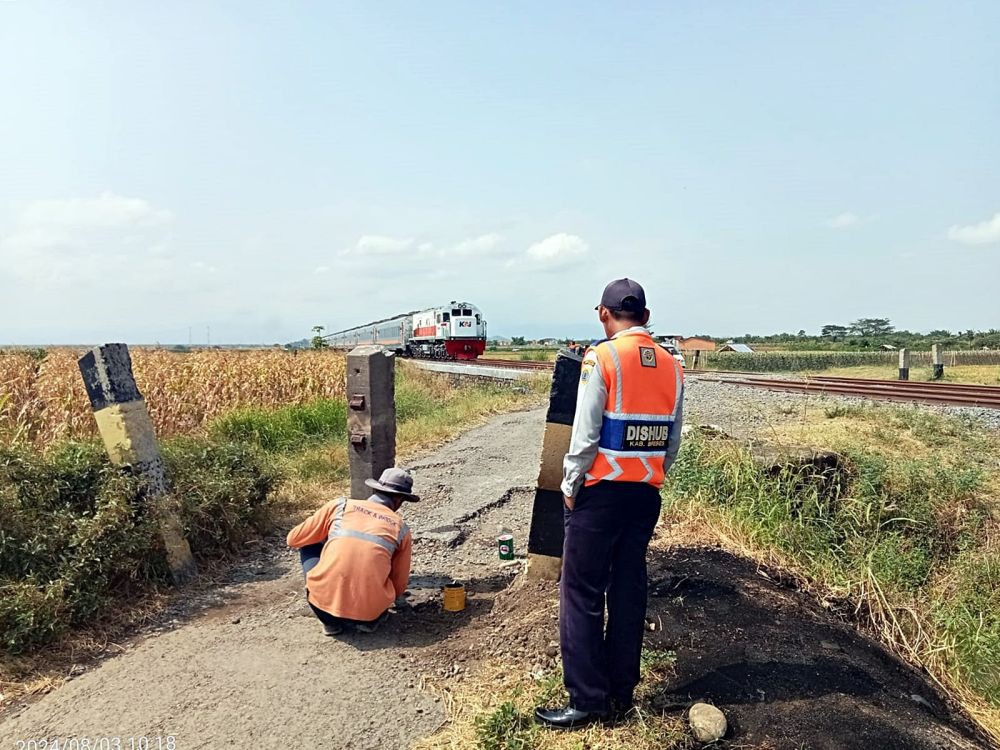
[[505, 545]]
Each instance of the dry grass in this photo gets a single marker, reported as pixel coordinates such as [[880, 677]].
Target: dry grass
[[42, 398], [976, 374], [494, 709]]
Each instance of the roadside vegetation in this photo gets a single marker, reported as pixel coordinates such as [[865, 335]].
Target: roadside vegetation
[[903, 535], [80, 552]]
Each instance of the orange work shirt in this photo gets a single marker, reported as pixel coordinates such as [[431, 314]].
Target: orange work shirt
[[365, 563]]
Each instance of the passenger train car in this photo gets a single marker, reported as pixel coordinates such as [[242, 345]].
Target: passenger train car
[[455, 331]]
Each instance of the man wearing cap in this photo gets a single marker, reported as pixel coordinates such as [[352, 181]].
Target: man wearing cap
[[356, 555], [626, 433]]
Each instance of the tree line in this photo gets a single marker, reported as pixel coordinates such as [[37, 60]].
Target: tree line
[[873, 333]]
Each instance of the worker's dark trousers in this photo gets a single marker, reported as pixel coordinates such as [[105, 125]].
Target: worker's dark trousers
[[604, 559]]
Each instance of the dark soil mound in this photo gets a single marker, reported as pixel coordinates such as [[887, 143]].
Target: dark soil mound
[[786, 673]]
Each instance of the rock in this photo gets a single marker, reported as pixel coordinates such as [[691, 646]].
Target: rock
[[708, 724], [552, 650], [235, 621]]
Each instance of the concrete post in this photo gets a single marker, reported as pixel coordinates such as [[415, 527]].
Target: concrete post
[[545, 540], [127, 431], [697, 359], [904, 364], [938, 361], [371, 415]]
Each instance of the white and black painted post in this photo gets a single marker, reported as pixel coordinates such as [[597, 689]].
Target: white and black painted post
[[904, 364], [545, 539], [937, 359], [127, 431], [371, 415]]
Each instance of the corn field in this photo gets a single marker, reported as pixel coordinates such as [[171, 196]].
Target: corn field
[[42, 398]]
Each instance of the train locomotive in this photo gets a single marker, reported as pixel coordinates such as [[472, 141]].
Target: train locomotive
[[453, 331]]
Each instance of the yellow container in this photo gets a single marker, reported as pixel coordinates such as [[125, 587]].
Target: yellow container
[[454, 597]]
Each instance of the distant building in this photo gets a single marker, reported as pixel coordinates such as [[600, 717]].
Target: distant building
[[693, 343], [738, 348], [687, 343], [549, 342]]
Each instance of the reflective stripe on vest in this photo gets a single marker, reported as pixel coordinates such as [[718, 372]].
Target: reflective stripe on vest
[[640, 410], [337, 531]]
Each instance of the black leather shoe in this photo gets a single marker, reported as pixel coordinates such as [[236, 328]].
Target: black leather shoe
[[568, 717]]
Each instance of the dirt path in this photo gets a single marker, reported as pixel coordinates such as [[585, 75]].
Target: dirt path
[[258, 672]]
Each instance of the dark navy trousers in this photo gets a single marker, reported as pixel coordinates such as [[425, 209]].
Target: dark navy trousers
[[604, 564]]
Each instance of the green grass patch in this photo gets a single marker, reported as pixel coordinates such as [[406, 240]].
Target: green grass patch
[[286, 429]]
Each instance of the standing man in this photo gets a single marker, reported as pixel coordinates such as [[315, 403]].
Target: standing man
[[356, 554], [626, 434]]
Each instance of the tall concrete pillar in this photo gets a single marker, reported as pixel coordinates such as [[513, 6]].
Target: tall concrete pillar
[[127, 432], [904, 364], [371, 415], [938, 361], [545, 540]]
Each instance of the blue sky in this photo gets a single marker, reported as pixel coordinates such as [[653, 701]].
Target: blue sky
[[261, 168]]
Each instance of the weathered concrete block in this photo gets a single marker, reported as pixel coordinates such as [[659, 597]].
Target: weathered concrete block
[[127, 431], [371, 415]]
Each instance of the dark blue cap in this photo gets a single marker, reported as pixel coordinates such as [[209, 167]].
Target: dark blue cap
[[624, 295]]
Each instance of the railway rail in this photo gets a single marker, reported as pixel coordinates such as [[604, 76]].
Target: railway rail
[[948, 394]]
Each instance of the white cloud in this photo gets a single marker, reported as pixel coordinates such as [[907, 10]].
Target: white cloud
[[369, 245], [61, 242], [106, 211], [555, 251], [486, 244], [983, 233], [845, 220]]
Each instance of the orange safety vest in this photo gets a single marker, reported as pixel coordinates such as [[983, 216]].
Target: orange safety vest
[[645, 386]]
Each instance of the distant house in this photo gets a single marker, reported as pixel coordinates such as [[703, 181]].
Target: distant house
[[549, 342], [738, 348], [693, 343]]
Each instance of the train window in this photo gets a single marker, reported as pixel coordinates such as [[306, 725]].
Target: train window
[[478, 321], [456, 312], [445, 317], [467, 313]]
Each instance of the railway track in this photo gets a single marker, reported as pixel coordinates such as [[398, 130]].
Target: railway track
[[513, 364], [950, 394]]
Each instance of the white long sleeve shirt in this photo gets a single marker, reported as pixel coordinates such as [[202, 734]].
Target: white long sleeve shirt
[[590, 401]]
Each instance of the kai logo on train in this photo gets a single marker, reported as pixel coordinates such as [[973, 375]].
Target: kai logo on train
[[639, 436]]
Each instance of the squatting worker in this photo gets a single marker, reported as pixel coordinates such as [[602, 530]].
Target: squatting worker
[[625, 437], [356, 554]]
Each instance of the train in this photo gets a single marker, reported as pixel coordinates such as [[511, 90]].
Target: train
[[453, 331]]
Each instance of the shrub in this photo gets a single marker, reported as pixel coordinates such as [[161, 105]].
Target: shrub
[[74, 536]]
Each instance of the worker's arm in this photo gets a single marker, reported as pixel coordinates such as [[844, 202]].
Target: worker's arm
[[314, 529], [586, 435], [674, 441], [400, 574]]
